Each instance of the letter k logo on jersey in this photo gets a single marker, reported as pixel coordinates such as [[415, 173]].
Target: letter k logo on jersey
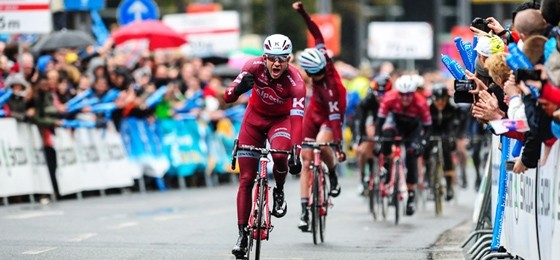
[[298, 103], [333, 106]]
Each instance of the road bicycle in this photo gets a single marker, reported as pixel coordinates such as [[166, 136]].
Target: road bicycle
[[376, 203], [260, 225], [319, 202], [395, 191], [436, 172]]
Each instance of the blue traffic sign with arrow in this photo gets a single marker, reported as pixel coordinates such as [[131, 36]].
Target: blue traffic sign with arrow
[[137, 10]]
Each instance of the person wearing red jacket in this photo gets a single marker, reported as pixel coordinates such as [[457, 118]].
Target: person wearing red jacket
[[323, 118], [274, 114]]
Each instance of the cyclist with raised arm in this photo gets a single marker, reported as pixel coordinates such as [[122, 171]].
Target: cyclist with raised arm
[[447, 122], [323, 118], [274, 113], [412, 122], [368, 108]]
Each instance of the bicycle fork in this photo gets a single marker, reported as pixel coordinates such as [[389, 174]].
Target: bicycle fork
[[262, 186], [316, 164]]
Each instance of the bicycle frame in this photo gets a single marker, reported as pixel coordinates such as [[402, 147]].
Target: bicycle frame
[[319, 200], [260, 224]]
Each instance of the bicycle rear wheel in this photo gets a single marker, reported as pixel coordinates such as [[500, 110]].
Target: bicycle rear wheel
[[374, 191], [315, 207], [260, 225], [396, 190], [438, 188], [324, 208]]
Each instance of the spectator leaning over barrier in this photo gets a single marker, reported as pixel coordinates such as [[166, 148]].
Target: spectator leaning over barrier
[[486, 89], [46, 118], [20, 102]]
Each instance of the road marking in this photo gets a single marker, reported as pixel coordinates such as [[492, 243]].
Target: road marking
[[35, 215], [82, 237], [164, 218], [38, 250], [124, 225]]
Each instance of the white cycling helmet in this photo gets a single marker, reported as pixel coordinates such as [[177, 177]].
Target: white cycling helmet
[[419, 80], [312, 60], [406, 84], [277, 44]]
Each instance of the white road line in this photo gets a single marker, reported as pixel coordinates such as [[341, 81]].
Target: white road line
[[38, 250], [82, 237], [35, 214], [124, 225]]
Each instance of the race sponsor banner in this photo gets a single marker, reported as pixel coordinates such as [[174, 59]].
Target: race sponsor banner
[[547, 206], [555, 241], [31, 138], [113, 158], [519, 230], [68, 170], [15, 164], [144, 146], [93, 174], [184, 143]]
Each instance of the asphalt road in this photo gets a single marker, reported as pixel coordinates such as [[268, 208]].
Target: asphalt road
[[200, 223]]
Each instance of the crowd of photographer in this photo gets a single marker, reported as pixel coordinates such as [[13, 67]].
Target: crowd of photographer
[[517, 78]]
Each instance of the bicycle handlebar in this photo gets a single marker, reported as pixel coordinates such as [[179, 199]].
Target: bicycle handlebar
[[312, 144], [262, 151]]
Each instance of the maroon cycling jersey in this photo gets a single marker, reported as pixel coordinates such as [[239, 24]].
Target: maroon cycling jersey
[[329, 100], [274, 98], [417, 110], [329, 94]]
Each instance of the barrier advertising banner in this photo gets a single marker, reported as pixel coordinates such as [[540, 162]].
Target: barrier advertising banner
[[546, 207], [33, 144], [15, 166], [68, 168], [119, 171]]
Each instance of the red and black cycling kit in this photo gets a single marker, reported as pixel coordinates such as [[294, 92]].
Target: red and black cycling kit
[[275, 112], [328, 102], [412, 123]]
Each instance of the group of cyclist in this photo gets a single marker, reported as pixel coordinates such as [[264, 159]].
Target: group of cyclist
[[277, 112]]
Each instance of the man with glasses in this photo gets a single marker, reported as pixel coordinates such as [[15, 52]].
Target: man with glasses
[[323, 118], [412, 122], [274, 114]]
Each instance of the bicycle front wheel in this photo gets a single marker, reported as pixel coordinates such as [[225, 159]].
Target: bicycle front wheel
[[260, 225], [438, 188], [396, 189], [315, 207], [324, 207]]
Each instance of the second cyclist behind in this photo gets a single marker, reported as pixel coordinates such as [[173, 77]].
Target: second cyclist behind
[[324, 115], [412, 122]]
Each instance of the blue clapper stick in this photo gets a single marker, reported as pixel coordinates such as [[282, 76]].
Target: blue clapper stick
[[463, 52], [5, 96], [453, 67]]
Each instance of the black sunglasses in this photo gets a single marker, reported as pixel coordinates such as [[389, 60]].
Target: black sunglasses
[[279, 58]]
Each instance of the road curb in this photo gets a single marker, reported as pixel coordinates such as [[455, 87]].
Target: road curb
[[448, 245]]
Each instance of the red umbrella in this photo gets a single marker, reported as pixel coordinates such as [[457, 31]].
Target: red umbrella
[[157, 33]]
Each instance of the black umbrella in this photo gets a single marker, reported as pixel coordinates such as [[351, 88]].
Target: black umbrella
[[68, 39]]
